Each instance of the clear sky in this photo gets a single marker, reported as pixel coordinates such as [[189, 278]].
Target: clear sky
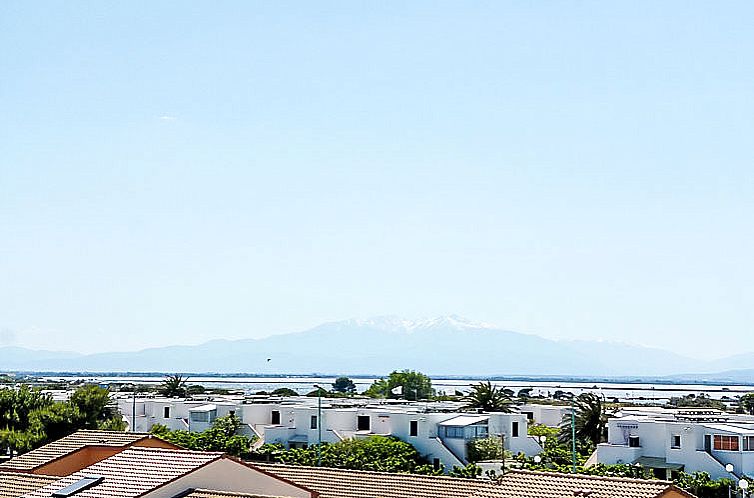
[[175, 172]]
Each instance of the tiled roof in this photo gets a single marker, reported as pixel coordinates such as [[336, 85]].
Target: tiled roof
[[13, 485], [525, 484], [209, 493], [49, 452], [133, 472], [342, 483]]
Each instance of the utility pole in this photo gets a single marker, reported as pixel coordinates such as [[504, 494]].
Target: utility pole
[[502, 447], [319, 426], [573, 432], [133, 411]]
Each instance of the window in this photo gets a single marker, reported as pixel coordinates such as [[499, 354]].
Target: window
[[313, 422], [80, 485], [529, 415], [476, 431], [362, 423], [676, 441], [275, 417], [633, 441], [413, 429], [454, 432], [725, 443], [166, 412], [515, 429], [436, 464], [468, 432], [748, 443], [200, 417]]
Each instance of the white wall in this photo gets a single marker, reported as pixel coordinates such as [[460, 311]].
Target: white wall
[[549, 415], [229, 475]]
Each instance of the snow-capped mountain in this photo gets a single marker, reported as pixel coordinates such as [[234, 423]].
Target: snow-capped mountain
[[448, 345]]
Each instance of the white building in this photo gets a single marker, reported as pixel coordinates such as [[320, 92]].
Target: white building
[[439, 431], [685, 439], [549, 415], [176, 413]]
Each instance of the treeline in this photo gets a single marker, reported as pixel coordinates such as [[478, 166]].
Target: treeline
[[30, 418]]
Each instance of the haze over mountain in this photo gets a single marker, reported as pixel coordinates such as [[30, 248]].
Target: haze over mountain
[[443, 346]]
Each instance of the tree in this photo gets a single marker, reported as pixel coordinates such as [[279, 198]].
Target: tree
[[414, 385], [56, 421], [17, 405], [344, 385], [92, 403], [488, 448], [747, 403], [406, 384], [30, 418], [173, 386], [377, 453], [590, 420], [470, 471], [378, 389], [694, 401], [489, 398], [703, 486], [222, 436], [284, 391]]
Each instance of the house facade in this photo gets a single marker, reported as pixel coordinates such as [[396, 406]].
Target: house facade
[[439, 431], [690, 440]]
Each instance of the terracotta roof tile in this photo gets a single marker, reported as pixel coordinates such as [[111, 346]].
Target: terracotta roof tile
[[342, 483], [52, 451], [209, 493], [13, 485], [133, 472], [525, 484]]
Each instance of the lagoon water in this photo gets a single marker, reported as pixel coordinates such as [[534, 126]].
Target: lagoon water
[[634, 392]]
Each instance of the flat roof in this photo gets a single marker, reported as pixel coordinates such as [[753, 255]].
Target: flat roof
[[731, 428], [464, 420], [204, 408]]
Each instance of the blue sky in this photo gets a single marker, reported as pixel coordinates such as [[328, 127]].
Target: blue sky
[[175, 172]]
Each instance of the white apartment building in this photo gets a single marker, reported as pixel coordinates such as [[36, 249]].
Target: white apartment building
[[439, 431], [549, 415], [690, 440], [195, 415]]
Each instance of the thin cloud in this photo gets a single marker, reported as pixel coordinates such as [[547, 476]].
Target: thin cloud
[[167, 117]]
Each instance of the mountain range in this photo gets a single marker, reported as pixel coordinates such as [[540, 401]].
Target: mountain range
[[449, 345]]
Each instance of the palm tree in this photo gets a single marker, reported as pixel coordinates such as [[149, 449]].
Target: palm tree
[[590, 420], [489, 398], [173, 385]]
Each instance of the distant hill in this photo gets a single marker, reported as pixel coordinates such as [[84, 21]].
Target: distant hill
[[15, 358], [443, 346], [729, 377]]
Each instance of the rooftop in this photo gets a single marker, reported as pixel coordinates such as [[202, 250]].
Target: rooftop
[[132, 472], [209, 493], [57, 449], [464, 420], [342, 483], [14, 484], [527, 484]]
